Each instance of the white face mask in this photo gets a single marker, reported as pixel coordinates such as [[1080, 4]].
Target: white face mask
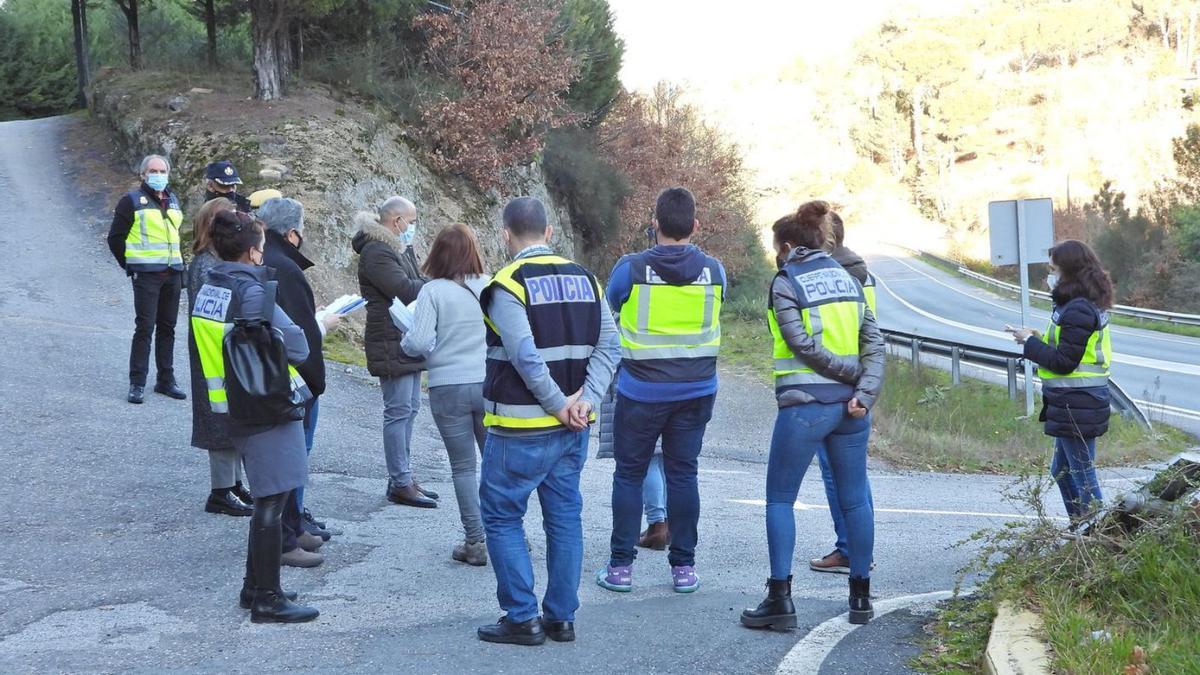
[[1051, 281]]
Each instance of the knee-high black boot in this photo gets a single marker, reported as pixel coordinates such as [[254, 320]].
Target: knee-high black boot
[[270, 605], [246, 596], [861, 610], [776, 612]]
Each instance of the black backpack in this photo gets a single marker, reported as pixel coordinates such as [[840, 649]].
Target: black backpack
[[257, 382]]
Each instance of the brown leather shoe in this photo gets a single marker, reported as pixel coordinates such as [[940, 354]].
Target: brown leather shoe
[[835, 563], [309, 542], [409, 495], [657, 537], [298, 557]]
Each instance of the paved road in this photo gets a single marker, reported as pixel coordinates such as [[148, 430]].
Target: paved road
[[109, 563], [1159, 369]]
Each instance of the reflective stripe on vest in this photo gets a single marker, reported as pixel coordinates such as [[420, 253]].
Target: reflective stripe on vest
[[563, 303], [831, 316], [869, 294], [1093, 368], [153, 242], [668, 321]]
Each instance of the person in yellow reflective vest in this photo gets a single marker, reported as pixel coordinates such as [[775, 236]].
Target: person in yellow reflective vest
[[1073, 358], [551, 352], [829, 360], [144, 239], [838, 560], [274, 454], [669, 300]]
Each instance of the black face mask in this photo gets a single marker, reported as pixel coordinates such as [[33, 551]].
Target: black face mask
[[299, 236], [778, 263]]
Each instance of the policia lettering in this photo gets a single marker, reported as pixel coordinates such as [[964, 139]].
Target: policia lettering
[[832, 306], [217, 305], [563, 303], [671, 333], [153, 241], [1092, 370]]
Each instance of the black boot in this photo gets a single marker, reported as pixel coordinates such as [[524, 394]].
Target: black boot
[[226, 501], [246, 597], [776, 612], [861, 611], [242, 493], [272, 606]]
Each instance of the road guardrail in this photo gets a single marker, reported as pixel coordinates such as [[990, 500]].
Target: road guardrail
[[1123, 310], [959, 353]]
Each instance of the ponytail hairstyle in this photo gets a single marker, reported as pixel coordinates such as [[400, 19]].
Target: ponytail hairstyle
[[811, 227], [234, 233], [1080, 275]]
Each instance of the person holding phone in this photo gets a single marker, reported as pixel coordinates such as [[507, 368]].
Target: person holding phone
[[1073, 359], [829, 360]]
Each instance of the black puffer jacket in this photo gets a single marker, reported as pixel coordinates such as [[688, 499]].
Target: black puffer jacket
[[387, 269], [295, 297], [1078, 412]]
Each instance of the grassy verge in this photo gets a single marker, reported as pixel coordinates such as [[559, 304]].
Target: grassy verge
[[1116, 319], [958, 638], [342, 347], [923, 422]]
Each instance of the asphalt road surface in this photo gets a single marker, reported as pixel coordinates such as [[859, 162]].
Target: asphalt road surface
[[1159, 370], [110, 564]]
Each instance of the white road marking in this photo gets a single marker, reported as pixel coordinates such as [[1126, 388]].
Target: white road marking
[[801, 506], [810, 652]]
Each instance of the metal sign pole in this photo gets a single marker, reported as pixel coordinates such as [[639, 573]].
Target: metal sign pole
[[1023, 265]]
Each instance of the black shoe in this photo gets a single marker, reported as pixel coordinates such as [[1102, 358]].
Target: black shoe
[[274, 607], [409, 495], [776, 612], [170, 389], [227, 503], [528, 633], [137, 394], [239, 489], [861, 611], [310, 528], [307, 515], [246, 597], [428, 493], [559, 631]]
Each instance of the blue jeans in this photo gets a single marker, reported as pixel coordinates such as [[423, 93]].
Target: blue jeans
[[800, 431], [1074, 468], [310, 430], [512, 468], [637, 427], [831, 497], [654, 492]]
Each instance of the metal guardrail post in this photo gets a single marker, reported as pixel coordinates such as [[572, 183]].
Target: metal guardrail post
[[956, 365], [916, 355], [1012, 378]]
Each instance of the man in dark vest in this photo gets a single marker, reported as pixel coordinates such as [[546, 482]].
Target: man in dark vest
[[552, 349], [144, 238]]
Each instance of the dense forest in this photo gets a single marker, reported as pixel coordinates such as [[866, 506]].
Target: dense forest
[[482, 85]]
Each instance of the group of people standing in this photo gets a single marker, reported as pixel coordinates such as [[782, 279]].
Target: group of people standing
[[518, 366]]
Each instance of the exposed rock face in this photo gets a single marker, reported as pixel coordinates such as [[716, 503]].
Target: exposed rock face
[[336, 157]]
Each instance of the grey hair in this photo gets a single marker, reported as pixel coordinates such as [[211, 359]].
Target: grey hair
[[395, 205], [150, 158], [282, 215]]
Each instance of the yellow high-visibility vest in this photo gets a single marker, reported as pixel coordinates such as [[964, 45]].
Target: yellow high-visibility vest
[[152, 244]]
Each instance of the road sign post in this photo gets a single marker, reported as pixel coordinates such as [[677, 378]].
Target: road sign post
[[1021, 232]]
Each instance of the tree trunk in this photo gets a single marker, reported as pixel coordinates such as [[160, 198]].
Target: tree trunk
[[83, 73], [1191, 39], [210, 28], [917, 131], [1179, 42], [1165, 28], [135, 35], [268, 25]]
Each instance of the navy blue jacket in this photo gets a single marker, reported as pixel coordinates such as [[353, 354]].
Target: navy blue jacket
[[1082, 412]]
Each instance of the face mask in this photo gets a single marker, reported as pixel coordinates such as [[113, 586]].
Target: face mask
[[299, 239], [408, 235], [1051, 281], [157, 181]]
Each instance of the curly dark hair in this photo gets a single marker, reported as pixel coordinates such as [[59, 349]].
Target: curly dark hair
[[234, 233], [1080, 275], [811, 226]]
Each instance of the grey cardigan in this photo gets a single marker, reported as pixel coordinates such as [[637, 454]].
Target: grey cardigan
[[449, 331]]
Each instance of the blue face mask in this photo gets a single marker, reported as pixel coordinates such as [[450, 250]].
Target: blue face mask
[[157, 181], [408, 235]]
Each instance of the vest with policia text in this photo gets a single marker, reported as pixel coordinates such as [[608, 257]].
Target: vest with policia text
[[153, 241], [1092, 370], [218, 304], [832, 306], [671, 333], [563, 303]]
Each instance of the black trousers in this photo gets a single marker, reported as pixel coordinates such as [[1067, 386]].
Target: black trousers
[[156, 304]]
